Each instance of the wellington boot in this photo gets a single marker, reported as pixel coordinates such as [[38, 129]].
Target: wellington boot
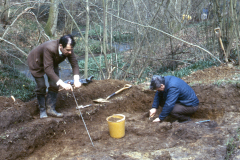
[[42, 108], [51, 104]]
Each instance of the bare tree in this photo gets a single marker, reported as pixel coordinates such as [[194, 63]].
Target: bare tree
[[155, 31], [105, 3], [51, 25], [4, 15], [86, 40]]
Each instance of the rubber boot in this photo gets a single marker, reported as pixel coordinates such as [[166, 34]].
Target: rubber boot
[[42, 108], [51, 104]]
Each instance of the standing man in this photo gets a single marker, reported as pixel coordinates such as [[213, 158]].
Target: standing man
[[179, 99], [44, 59]]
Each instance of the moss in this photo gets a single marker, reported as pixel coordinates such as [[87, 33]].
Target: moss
[[14, 83]]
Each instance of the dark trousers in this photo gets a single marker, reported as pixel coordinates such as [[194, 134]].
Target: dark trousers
[[41, 85], [182, 113]]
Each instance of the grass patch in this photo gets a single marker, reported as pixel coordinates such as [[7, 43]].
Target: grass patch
[[232, 144], [14, 83], [95, 46], [200, 65], [224, 82]]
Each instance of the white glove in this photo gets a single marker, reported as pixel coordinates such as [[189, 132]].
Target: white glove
[[152, 112], [64, 85], [76, 81]]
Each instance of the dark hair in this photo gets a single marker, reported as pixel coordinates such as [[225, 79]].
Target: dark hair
[[156, 82], [64, 40]]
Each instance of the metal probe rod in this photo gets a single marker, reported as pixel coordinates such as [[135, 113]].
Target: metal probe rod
[[82, 118]]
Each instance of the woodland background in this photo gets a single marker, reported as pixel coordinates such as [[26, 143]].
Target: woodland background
[[166, 37]]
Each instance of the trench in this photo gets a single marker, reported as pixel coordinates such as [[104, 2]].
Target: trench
[[67, 138]]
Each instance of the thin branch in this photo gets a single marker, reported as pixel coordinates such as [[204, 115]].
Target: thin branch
[[3, 83], [25, 54], [164, 59], [16, 20], [147, 26], [145, 35], [23, 3], [17, 58], [39, 25], [25, 11], [83, 38], [122, 70]]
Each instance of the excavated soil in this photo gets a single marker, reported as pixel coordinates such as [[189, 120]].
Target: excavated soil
[[25, 136]]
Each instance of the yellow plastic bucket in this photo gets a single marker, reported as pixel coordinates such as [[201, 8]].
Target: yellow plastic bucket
[[116, 125]]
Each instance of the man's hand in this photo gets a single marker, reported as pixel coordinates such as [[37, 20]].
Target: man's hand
[[77, 84], [66, 86], [152, 112], [156, 120]]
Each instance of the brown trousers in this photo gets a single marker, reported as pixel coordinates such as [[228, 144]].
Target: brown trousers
[[182, 113], [41, 85]]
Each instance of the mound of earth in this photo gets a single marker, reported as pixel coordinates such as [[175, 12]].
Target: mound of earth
[[25, 136], [214, 75]]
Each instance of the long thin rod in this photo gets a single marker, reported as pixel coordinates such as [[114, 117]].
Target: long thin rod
[[82, 118]]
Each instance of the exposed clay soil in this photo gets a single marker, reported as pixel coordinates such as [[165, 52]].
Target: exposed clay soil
[[25, 136]]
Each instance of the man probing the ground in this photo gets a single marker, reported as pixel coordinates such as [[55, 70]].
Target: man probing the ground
[[44, 59], [179, 99]]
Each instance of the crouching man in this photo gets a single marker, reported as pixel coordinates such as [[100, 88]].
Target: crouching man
[[44, 59], [176, 97]]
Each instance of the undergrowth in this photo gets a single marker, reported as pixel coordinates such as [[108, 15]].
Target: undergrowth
[[232, 144], [200, 65], [93, 69], [14, 83], [94, 46], [119, 37]]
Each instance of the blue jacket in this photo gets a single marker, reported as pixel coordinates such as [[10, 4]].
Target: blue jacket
[[176, 91]]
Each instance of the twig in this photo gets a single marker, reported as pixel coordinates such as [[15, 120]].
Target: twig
[[39, 25], [111, 72], [147, 26], [83, 38], [16, 20], [3, 83], [25, 11], [123, 70], [165, 59], [21, 4], [25, 54], [17, 58]]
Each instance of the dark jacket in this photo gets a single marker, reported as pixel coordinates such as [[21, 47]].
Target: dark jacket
[[45, 57], [176, 91]]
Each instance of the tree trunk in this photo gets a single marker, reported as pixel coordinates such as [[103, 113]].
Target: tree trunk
[[86, 41], [231, 35], [4, 17], [236, 28], [51, 25], [111, 37], [105, 2]]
